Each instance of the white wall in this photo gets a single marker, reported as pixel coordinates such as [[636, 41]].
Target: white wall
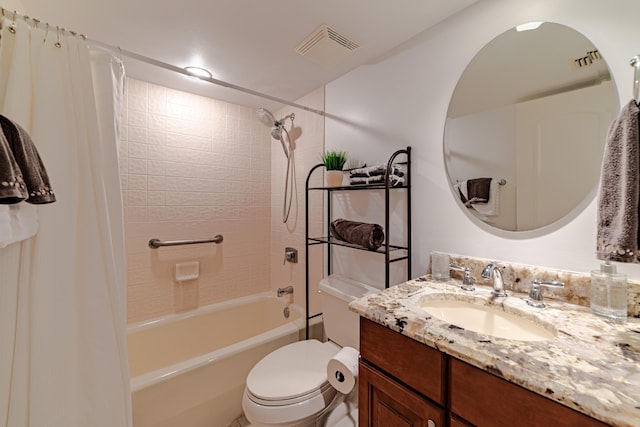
[[404, 99], [482, 145], [14, 5]]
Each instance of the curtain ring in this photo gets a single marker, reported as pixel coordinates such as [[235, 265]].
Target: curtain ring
[[57, 43], [12, 27]]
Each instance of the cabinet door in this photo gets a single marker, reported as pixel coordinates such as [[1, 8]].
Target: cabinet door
[[458, 422], [486, 400], [385, 403], [415, 364]]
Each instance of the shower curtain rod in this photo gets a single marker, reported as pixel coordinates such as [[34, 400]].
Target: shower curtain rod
[[138, 57], [179, 70]]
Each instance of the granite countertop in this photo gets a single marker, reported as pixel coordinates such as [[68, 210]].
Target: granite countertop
[[592, 365]]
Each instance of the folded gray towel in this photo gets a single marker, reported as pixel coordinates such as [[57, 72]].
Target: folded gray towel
[[22, 174], [371, 236], [479, 188], [617, 238]]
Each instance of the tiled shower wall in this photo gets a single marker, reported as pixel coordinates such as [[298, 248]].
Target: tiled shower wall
[[193, 167]]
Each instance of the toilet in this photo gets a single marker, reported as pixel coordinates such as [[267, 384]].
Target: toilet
[[289, 386]]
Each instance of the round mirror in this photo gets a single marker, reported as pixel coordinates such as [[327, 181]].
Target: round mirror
[[526, 127]]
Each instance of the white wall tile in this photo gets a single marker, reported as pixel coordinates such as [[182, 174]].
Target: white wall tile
[[186, 172]]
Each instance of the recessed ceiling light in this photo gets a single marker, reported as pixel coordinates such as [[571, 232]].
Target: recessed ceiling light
[[199, 72], [529, 26]]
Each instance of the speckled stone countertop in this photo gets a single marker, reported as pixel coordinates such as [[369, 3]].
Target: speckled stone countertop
[[592, 365]]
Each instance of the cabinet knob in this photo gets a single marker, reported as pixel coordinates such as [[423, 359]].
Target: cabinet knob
[[431, 423]]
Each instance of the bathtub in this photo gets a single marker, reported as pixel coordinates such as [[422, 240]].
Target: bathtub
[[189, 370]]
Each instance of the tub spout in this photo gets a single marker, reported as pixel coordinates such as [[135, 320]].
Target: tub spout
[[284, 291]]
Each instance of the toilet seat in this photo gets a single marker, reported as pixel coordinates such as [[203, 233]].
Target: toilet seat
[[290, 384], [291, 372]]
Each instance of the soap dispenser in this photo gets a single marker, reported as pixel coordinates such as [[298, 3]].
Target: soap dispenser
[[609, 293]]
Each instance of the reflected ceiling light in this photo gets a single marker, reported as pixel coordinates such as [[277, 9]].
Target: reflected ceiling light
[[199, 72], [529, 26]]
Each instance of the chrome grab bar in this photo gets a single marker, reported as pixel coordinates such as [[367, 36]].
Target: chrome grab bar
[[156, 243]]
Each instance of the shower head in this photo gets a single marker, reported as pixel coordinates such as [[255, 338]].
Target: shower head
[[269, 120], [266, 117], [277, 128]]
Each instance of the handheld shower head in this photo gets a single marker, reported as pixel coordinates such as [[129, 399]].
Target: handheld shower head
[[276, 133], [277, 128]]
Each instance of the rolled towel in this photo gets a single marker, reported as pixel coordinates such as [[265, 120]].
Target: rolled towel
[[377, 173], [371, 236], [381, 169], [367, 180]]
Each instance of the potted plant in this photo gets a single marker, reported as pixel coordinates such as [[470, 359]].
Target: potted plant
[[334, 162]]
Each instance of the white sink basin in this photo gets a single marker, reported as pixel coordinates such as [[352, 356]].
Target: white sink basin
[[486, 320]]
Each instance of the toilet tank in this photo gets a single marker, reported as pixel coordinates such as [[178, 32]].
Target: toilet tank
[[341, 325]]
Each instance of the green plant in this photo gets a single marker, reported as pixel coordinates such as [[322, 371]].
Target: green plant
[[334, 160]]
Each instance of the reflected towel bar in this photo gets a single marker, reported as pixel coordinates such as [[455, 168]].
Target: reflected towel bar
[[156, 243]]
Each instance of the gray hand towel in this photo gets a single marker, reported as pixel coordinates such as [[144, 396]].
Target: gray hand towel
[[371, 236], [617, 238], [30, 177], [479, 189]]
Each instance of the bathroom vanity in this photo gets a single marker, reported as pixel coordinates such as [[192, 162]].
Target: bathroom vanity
[[429, 385], [421, 371]]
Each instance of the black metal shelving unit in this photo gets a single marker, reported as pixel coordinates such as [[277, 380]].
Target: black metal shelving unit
[[392, 252]]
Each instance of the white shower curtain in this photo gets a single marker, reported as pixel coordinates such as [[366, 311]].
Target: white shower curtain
[[63, 359]]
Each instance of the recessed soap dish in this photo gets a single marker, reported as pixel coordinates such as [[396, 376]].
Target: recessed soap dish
[[187, 271]]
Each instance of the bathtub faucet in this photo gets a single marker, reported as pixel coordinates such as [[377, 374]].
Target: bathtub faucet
[[285, 291]]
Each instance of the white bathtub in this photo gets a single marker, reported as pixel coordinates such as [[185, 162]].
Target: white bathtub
[[189, 370]]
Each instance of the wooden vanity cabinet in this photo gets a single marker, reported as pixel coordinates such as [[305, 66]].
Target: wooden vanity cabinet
[[486, 400], [417, 400], [405, 383], [418, 366]]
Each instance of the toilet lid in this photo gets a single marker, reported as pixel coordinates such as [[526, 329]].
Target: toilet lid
[[291, 371]]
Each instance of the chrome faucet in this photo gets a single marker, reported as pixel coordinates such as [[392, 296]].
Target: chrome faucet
[[498, 283], [467, 281], [284, 291], [535, 295]]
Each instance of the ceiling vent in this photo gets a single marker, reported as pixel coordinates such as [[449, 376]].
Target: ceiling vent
[[326, 46]]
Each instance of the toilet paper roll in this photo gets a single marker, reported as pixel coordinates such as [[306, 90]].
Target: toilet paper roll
[[342, 370]]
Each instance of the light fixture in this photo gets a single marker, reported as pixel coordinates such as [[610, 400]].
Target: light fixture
[[529, 26], [199, 72]]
